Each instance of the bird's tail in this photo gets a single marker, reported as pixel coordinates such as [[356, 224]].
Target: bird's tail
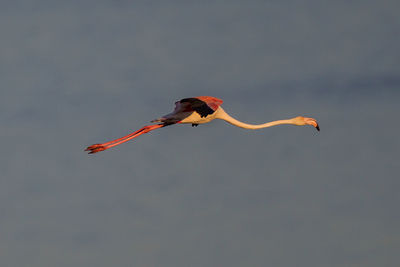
[[158, 120]]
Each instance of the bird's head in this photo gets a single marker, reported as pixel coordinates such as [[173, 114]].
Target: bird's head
[[305, 121]]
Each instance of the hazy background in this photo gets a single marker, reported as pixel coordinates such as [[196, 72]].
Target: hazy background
[[74, 73]]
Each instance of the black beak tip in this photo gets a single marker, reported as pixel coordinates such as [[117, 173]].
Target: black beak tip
[[317, 127]]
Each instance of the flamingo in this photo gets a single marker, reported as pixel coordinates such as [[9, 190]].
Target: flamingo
[[195, 111]]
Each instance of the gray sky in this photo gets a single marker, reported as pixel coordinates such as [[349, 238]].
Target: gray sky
[[74, 74]]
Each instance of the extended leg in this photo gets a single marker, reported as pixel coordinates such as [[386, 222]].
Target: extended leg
[[100, 147]]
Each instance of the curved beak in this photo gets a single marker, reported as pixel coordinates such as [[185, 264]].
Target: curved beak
[[312, 122]]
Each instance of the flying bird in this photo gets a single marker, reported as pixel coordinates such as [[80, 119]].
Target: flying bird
[[195, 111]]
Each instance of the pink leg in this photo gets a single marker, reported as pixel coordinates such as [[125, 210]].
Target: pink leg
[[100, 147]]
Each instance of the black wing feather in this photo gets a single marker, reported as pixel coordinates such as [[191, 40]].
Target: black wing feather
[[199, 106]]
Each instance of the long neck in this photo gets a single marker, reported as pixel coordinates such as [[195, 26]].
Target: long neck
[[226, 117]]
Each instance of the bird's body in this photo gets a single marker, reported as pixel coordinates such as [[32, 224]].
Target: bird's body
[[195, 110], [198, 110]]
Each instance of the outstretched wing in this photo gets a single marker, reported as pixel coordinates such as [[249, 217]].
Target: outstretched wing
[[204, 105]]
